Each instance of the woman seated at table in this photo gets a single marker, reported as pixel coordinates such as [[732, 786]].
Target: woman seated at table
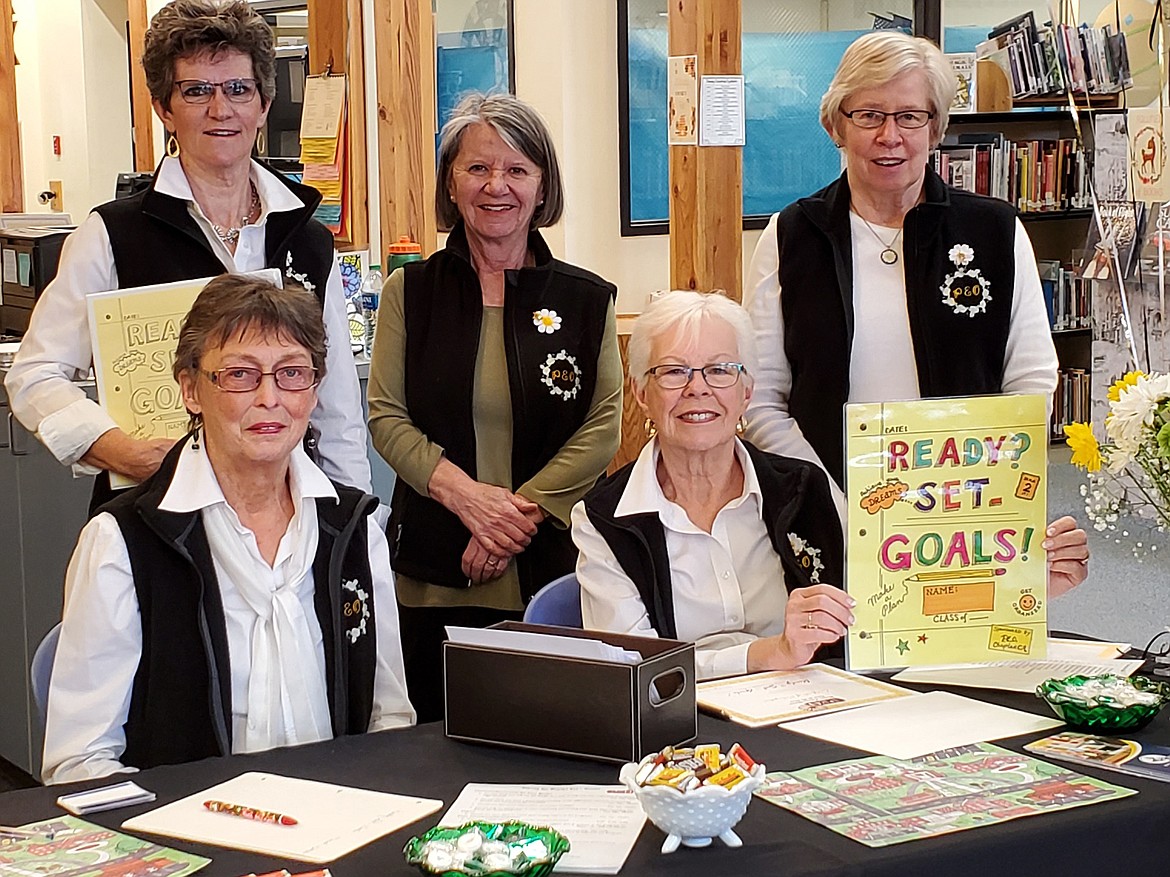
[[704, 537], [237, 600]]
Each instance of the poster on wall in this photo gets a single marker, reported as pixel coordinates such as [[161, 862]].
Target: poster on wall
[[682, 109], [946, 513], [1147, 155]]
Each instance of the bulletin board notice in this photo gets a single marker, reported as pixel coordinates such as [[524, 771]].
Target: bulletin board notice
[[947, 509]]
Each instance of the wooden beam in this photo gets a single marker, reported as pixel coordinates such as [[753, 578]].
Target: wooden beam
[[706, 184], [11, 175], [140, 106], [327, 36], [404, 32]]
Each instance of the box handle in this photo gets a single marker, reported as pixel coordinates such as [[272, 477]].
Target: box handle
[[667, 686]]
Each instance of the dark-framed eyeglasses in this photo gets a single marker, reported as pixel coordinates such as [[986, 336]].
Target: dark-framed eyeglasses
[[907, 119], [199, 91], [718, 375], [242, 379]]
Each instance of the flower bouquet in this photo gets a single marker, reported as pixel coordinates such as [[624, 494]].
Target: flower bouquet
[[1129, 473]]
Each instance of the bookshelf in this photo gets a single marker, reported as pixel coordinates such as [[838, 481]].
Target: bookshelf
[[1057, 226]]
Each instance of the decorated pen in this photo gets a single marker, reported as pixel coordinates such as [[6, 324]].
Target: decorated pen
[[249, 812]]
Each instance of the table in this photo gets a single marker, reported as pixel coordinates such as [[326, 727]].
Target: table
[[1133, 833]]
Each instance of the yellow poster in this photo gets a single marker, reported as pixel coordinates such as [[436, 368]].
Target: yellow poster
[[947, 509], [134, 333]]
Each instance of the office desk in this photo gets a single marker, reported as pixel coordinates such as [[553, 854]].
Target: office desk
[[1132, 834]]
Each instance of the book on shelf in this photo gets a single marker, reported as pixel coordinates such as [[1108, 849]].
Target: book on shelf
[[1071, 402], [1051, 59], [1118, 232], [1066, 294], [1037, 176], [963, 66]]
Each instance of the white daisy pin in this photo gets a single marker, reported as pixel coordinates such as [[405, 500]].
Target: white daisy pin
[[359, 608], [961, 254], [546, 321], [807, 556]]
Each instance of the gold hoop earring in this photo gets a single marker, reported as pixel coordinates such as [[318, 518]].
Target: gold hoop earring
[[260, 142], [650, 428], [173, 148]]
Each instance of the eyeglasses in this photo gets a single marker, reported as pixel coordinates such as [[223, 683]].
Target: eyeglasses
[[718, 375], [906, 119], [241, 379], [199, 91], [513, 172]]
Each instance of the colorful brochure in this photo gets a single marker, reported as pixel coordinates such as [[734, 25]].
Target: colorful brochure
[[1137, 759], [946, 512]]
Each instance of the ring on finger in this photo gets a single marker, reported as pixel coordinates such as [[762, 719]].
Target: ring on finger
[[808, 623]]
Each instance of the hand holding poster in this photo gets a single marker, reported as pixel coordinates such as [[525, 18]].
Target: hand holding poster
[[947, 509]]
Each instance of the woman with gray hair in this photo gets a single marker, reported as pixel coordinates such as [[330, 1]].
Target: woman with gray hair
[[495, 390], [211, 70], [704, 537], [889, 284]]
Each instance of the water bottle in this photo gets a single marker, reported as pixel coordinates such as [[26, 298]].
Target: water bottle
[[371, 295], [402, 252]]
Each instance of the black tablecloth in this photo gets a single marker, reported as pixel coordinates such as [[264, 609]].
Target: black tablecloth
[[1131, 834]]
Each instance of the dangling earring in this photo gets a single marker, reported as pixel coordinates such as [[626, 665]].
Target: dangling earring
[[260, 142], [197, 421], [173, 148], [650, 428], [740, 426]]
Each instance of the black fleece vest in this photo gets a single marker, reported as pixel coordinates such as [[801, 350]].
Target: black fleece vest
[[180, 704], [956, 353], [155, 240], [551, 379], [796, 500]]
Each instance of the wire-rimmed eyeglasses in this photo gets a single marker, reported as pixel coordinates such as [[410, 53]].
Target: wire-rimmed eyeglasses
[[242, 379], [718, 375], [199, 91], [906, 119]]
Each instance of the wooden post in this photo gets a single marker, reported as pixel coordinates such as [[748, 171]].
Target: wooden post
[[11, 175], [706, 186], [404, 31], [335, 45], [140, 105]]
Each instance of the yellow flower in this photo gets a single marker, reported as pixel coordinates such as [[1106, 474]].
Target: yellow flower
[[1086, 453], [1124, 383]]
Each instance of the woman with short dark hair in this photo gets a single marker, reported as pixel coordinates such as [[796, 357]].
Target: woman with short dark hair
[[495, 390], [210, 208], [237, 600]]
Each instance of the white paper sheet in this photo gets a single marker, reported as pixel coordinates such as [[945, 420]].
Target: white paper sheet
[[331, 820], [721, 112], [1061, 649], [912, 726], [783, 695], [601, 822], [542, 644], [1021, 676]]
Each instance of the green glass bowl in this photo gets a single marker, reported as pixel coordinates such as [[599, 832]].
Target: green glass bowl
[[1088, 713], [509, 832]]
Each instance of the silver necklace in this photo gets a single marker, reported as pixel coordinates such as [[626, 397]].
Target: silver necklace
[[889, 255], [231, 235]]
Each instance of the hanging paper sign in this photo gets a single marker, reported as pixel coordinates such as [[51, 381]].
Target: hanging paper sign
[[1147, 155]]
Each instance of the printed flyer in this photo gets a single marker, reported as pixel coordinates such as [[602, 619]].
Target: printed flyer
[[947, 510]]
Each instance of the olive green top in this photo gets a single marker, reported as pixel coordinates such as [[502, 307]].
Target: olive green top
[[556, 488]]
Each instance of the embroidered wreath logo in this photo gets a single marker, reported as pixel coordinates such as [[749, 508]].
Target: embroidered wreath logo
[[546, 321], [561, 375], [808, 557], [966, 290], [302, 279], [358, 608]]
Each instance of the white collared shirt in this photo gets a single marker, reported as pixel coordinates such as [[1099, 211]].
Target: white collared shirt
[[727, 585], [101, 635], [56, 350]]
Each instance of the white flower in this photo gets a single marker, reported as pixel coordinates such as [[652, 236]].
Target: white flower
[[961, 254], [1134, 411], [546, 321]]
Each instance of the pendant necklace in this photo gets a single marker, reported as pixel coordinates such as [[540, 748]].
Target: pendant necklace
[[231, 235], [889, 255]]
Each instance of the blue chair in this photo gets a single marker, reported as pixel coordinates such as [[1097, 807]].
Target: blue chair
[[558, 602], [41, 670]]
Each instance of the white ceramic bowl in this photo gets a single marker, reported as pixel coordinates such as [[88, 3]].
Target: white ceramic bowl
[[694, 818]]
